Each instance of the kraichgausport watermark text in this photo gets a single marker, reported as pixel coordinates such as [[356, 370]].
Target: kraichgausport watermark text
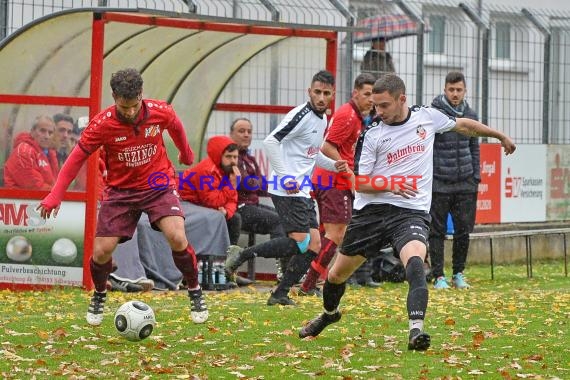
[[342, 181]]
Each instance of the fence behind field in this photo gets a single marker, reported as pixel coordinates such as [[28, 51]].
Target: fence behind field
[[516, 60]]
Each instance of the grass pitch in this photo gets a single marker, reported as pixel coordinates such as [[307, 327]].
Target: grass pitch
[[508, 328]]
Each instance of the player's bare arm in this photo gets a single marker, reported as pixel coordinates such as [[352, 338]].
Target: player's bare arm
[[330, 150], [52, 202], [406, 190], [376, 185], [291, 187], [473, 128], [341, 166]]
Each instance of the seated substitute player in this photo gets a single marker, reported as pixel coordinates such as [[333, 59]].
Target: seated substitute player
[[213, 183], [130, 133], [392, 207]]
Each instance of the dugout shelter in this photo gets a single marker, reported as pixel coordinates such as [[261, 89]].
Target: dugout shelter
[[63, 63]]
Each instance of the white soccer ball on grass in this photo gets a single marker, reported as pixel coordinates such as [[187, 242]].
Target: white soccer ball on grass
[[135, 320]]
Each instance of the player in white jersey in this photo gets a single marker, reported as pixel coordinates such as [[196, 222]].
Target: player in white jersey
[[393, 168], [293, 149]]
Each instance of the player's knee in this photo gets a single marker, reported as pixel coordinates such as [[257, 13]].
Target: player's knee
[[336, 278], [102, 254], [335, 237], [335, 234], [415, 274], [101, 257], [315, 245], [177, 240]]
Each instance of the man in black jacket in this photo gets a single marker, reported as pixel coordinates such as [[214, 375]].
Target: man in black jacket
[[456, 177]]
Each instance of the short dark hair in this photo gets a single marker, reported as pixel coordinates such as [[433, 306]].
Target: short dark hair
[[454, 77], [230, 148], [62, 117], [364, 79], [127, 84], [232, 126], [323, 76], [391, 83]]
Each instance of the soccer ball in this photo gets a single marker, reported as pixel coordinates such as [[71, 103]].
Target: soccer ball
[[19, 249], [134, 320], [63, 251]]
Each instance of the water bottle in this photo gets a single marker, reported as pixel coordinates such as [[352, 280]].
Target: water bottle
[[450, 228], [200, 272], [222, 274], [216, 274]]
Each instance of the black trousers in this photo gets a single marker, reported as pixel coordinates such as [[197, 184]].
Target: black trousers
[[234, 228], [260, 219], [462, 207]]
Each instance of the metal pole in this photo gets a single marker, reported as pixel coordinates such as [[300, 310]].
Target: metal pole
[[420, 64], [546, 67], [3, 19], [95, 95], [420, 54], [274, 69], [478, 61], [555, 81], [349, 40], [271, 8], [102, 3], [192, 6], [485, 40], [546, 90], [234, 8]]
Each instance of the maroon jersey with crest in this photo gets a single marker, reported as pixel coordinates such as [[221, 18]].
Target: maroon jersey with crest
[[134, 152]]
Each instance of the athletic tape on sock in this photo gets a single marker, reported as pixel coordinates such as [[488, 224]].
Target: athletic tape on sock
[[304, 245]]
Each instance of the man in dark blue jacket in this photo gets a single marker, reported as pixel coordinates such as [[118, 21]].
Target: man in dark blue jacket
[[456, 177]]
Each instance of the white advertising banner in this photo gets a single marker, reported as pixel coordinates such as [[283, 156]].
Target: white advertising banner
[[41, 252], [523, 185]]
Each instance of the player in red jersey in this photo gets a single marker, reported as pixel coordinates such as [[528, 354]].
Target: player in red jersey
[[140, 178]]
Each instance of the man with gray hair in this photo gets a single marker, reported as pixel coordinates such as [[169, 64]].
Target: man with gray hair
[[33, 163], [255, 217]]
